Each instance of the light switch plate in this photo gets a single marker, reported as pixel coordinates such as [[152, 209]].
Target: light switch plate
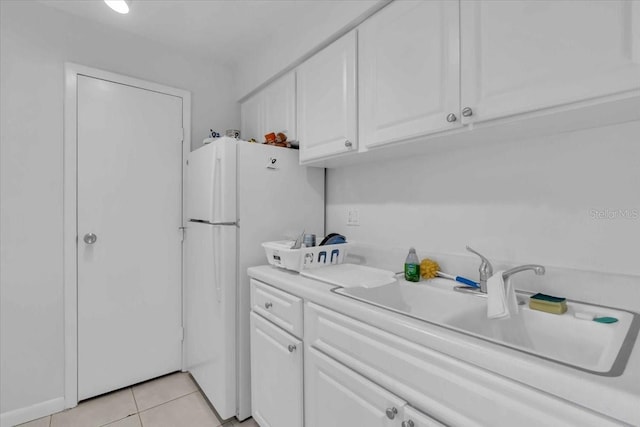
[[353, 216]]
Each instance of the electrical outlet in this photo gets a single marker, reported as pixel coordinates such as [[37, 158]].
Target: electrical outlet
[[353, 216]]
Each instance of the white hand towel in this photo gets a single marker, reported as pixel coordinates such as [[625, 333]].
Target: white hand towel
[[512, 301], [501, 297]]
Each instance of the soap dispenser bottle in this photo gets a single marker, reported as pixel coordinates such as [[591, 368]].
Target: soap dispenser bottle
[[412, 267]]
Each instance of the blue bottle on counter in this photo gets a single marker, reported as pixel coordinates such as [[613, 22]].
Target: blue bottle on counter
[[412, 267]]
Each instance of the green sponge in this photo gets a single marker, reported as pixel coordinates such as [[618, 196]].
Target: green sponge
[[548, 303]]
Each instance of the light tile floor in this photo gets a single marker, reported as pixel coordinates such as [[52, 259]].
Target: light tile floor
[[170, 401]]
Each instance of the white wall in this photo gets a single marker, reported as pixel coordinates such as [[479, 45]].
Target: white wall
[[35, 42], [526, 201], [295, 40]]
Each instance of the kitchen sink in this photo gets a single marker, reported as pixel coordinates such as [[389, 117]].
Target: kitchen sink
[[599, 348]]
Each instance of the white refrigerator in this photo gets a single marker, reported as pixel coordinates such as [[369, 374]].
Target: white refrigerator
[[239, 194]]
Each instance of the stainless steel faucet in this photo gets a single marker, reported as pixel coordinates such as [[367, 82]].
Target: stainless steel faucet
[[485, 270], [538, 269]]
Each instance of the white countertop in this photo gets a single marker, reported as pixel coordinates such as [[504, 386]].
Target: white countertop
[[617, 397]]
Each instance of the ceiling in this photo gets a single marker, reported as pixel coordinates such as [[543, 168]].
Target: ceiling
[[224, 30]]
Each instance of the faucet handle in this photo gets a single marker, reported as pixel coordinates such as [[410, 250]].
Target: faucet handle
[[485, 269]]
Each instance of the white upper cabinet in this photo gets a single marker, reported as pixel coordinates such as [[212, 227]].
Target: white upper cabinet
[[252, 118], [273, 109], [280, 107], [326, 101], [409, 71], [521, 56]]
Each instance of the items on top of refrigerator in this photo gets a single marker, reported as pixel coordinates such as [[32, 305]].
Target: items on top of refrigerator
[[279, 140]]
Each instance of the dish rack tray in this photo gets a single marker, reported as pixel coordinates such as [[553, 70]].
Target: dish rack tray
[[281, 255]]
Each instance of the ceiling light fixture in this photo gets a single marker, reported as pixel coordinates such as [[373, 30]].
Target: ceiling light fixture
[[120, 6]]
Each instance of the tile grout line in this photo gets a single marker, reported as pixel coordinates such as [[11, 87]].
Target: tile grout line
[[137, 408], [164, 403], [120, 419], [134, 400]]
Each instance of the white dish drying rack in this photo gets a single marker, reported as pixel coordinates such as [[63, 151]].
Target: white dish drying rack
[[281, 255]]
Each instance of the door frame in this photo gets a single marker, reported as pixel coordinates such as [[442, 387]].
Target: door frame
[[70, 219]]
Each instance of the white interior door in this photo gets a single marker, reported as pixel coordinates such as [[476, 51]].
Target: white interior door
[[130, 198]]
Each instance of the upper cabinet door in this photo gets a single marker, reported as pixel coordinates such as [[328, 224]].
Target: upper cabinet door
[[280, 107], [326, 101], [273, 109], [409, 71], [520, 56], [252, 118]]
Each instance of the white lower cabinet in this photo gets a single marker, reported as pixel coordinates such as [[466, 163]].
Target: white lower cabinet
[[276, 375], [414, 418], [337, 396], [356, 374], [449, 390]]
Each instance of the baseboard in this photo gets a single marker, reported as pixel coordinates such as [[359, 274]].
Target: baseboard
[[28, 413]]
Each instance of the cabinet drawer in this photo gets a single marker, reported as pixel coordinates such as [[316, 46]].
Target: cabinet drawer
[[283, 309], [446, 388]]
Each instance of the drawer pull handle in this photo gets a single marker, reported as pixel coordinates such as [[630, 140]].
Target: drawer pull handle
[[391, 413], [268, 305], [408, 423], [291, 348]]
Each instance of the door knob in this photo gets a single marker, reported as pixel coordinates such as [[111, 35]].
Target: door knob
[[451, 117], [408, 423], [268, 305], [291, 348], [348, 144], [467, 112], [90, 238]]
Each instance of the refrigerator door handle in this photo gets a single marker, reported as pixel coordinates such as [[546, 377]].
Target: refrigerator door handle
[[218, 198], [216, 263], [213, 223]]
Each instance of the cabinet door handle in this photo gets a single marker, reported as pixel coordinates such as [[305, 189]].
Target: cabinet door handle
[[268, 305], [451, 117], [291, 348], [407, 423], [348, 143], [467, 112], [391, 413]]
